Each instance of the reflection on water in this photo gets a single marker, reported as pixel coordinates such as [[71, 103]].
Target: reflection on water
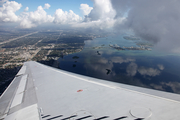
[[108, 71], [132, 69], [139, 68]]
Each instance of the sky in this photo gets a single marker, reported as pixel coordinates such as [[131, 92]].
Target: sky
[[157, 21], [65, 5]]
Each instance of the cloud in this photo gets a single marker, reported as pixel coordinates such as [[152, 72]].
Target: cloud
[[97, 65], [25, 23], [167, 86], [85, 9], [132, 69], [95, 26], [148, 71], [7, 11], [152, 20], [62, 17], [2, 2], [102, 10], [47, 6], [161, 67], [157, 87], [173, 85], [121, 7], [98, 18], [32, 19], [121, 60], [26, 9]]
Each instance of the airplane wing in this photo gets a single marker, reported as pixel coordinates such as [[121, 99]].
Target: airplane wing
[[39, 92]]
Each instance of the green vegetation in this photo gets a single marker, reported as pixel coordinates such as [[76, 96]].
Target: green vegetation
[[23, 42], [45, 47], [40, 55], [56, 53], [7, 76]]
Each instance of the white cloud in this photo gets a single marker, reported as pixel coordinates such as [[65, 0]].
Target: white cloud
[[95, 25], [132, 69], [62, 17], [25, 23], [47, 6], [102, 10], [85, 9], [153, 20], [149, 71], [39, 15], [2, 2], [121, 60], [158, 87], [101, 16], [26, 9], [174, 86], [32, 19], [7, 11], [161, 67]]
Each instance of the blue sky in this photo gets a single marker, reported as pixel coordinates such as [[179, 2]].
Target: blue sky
[[65, 5]]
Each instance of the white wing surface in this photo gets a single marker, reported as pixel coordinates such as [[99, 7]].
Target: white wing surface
[[39, 92]]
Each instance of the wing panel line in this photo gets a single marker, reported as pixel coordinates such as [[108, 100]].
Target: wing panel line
[[20, 92]]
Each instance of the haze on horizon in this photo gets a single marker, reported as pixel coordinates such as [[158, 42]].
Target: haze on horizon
[[151, 20]]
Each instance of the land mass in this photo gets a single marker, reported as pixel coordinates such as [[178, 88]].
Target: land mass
[[17, 47]]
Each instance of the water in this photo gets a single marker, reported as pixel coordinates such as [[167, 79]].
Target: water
[[150, 69]]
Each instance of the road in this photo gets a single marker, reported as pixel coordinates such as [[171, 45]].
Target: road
[[17, 38], [39, 49]]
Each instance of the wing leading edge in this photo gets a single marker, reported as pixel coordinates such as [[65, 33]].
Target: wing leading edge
[[41, 92]]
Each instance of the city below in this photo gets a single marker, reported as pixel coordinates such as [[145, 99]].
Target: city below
[[17, 47]]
